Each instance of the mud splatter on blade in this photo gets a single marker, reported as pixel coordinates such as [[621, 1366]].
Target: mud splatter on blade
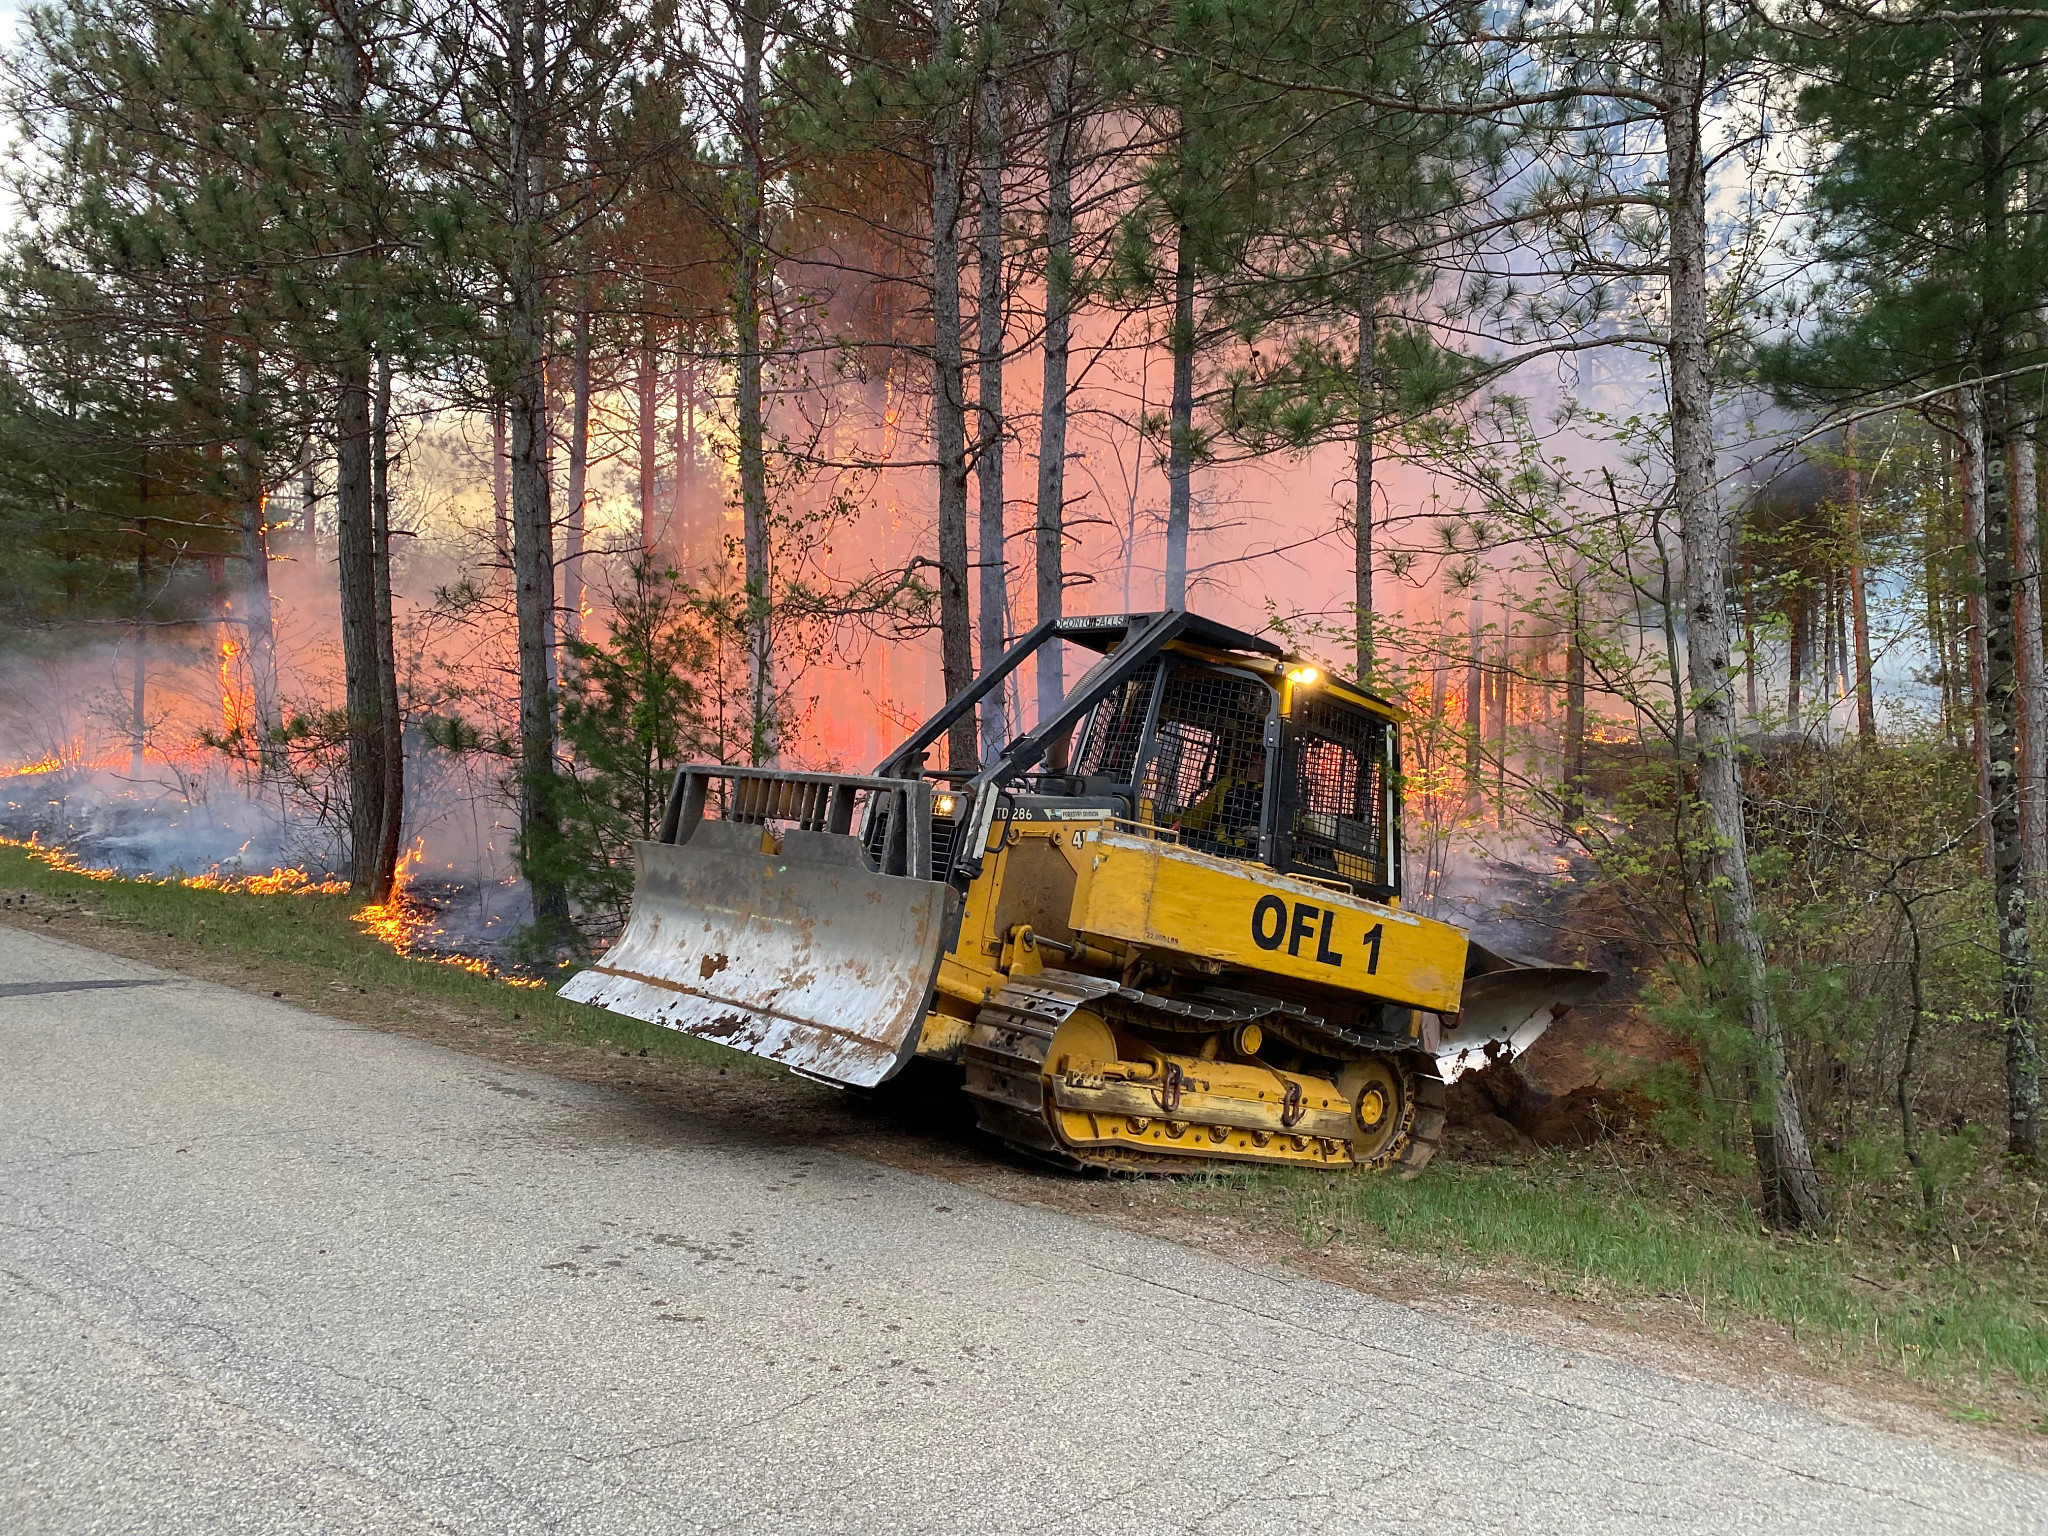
[[805, 956]]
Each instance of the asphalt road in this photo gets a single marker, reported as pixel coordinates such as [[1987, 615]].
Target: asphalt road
[[262, 1271]]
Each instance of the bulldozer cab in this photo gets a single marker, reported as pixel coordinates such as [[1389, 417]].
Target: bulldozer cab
[[1271, 764], [1192, 728]]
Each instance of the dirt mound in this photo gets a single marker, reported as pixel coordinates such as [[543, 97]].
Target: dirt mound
[[1502, 1107]]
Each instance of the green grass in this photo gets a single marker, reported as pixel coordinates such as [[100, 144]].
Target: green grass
[[1617, 1235], [305, 944]]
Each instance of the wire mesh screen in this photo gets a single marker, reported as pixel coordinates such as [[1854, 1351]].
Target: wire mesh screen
[[1206, 775], [1117, 727], [1340, 793]]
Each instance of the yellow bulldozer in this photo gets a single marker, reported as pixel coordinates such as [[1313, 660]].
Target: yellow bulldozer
[[1163, 929]]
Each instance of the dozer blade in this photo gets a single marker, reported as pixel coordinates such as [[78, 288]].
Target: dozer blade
[[1504, 1010], [806, 956]]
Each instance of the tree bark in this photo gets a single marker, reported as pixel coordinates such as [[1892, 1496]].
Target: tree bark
[[500, 501], [680, 535], [390, 720], [949, 428], [2033, 684], [649, 425], [1575, 709], [2001, 642], [1796, 605], [1970, 418], [1749, 639], [1366, 317], [1180, 426], [2001, 732], [1502, 685], [1475, 700], [138, 678], [533, 535], [309, 495], [762, 736], [988, 456], [1790, 1184], [355, 537], [259, 631], [1049, 538], [1866, 692], [573, 520]]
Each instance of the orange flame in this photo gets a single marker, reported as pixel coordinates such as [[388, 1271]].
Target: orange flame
[[400, 922], [278, 882], [403, 921], [49, 764]]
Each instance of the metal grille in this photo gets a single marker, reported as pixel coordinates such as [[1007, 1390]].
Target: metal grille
[[1340, 793], [1206, 774], [1117, 727], [945, 833]]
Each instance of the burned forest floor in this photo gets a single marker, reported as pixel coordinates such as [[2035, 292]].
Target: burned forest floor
[[1561, 1217]]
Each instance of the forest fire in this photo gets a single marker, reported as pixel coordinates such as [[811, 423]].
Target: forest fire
[[49, 763], [405, 924], [408, 926], [276, 882]]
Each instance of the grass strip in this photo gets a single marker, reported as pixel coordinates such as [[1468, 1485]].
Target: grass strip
[[1613, 1235]]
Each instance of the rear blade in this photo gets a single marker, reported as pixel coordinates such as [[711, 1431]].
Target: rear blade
[[1503, 1012], [806, 956]]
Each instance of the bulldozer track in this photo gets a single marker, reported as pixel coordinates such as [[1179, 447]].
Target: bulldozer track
[[1006, 1077]]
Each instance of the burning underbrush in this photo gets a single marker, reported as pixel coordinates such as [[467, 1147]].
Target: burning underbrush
[[465, 924]]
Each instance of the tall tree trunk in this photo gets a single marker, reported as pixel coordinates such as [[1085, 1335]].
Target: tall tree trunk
[[762, 742], [649, 424], [356, 565], [1049, 539], [259, 632], [578, 490], [1475, 700], [1502, 682], [1827, 691], [682, 537], [1866, 692], [988, 457], [533, 532], [1365, 314], [1749, 667], [2001, 734], [2033, 684], [2002, 644], [1970, 417], [309, 495], [355, 535], [501, 506], [1790, 1185], [1575, 708], [949, 427], [2003, 771], [138, 679], [390, 722], [1796, 606], [1180, 423], [1936, 552]]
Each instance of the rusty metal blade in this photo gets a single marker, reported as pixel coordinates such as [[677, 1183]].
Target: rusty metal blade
[[805, 956], [1507, 1010]]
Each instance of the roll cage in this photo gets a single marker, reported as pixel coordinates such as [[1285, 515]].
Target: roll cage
[[1197, 728]]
